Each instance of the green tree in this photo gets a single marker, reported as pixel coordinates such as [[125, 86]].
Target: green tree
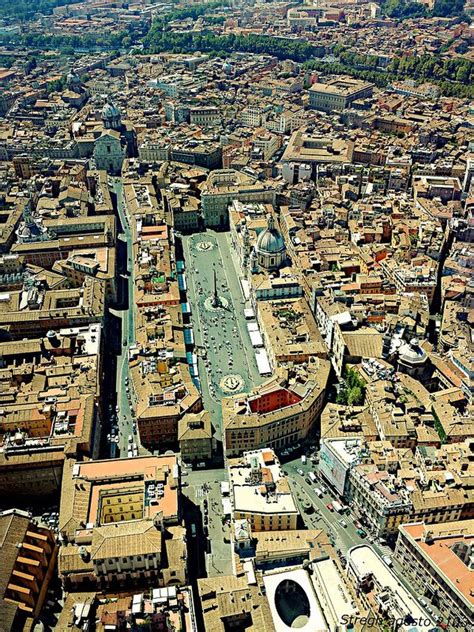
[[449, 8], [355, 396]]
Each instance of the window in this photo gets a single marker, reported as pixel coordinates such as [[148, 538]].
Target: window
[[108, 149]]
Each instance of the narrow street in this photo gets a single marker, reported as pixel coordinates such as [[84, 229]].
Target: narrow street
[[126, 316]]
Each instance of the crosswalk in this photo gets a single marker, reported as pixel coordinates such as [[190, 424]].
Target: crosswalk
[[201, 491]]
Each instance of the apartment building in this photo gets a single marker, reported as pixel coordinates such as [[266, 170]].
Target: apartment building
[[382, 593], [204, 116], [223, 187], [290, 332], [279, 413], [260, 492], [418, 277], [120, 520], [58, 416], [379, 501], [195, 437], [27, 561], [437, 560]]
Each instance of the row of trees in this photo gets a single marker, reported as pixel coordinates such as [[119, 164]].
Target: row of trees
[[449, 8], [423, 67], [402, 9], [453, 76], [159, 40], [434, 67]]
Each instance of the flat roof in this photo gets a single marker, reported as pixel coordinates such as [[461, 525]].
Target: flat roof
[[347, 449], [332, 589], [343, 86], [439, 551], [365, 561]]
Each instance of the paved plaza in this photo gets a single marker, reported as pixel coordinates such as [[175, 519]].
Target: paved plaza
[[226, 361]]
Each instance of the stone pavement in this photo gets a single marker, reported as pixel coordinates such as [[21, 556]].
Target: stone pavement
[[226, 360]]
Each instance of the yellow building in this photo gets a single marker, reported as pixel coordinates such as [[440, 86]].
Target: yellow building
[[261, 493], [195, 436], [279, 412]]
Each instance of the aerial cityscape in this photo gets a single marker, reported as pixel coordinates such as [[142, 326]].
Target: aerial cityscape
[[236, 315]]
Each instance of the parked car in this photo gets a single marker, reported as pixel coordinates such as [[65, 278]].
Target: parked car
[[330, 507]]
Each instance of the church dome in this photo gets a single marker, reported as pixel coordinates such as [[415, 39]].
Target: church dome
[[270, 240], [412, 354], [73, 78], [110, 111]]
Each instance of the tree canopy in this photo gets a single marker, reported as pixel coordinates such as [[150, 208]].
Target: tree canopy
[[352, 392], [159, 40], [403, 9], [453, 76], [448, 8]]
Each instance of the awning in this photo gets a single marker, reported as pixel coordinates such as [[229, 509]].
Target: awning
[[181, 282]]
